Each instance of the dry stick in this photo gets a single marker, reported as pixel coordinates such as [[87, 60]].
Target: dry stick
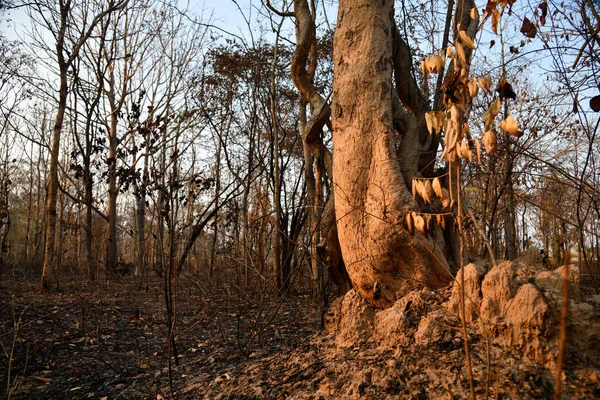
[[485, 239], [462, 288], [563, 328]]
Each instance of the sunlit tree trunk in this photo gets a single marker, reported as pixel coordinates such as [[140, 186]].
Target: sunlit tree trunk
[[371, 195]]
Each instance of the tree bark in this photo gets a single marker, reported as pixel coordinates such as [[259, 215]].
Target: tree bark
[[48, 271], [371, 198]]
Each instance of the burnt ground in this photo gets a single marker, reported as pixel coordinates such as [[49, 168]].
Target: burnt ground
[[110, 342]]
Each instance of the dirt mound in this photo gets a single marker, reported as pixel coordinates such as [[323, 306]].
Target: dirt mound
[[514, 309], [415, 348]]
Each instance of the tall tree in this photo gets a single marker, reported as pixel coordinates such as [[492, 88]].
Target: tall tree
[[65, 19]]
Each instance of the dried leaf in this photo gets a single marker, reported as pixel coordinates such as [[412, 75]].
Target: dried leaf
[[495, 20], [465, 151], [490, 114], [474, 14], [445, 198], [544, 7], [489, 8], [485, 83], [478, 146], [505, 90], [576, 103], [435, 121], [433, 64], [504, 3], [466, 40], [514, 50], [510, 126], [437, 188], [489, 142], [595, 103], [422, 190], [441, 221], [492, 43], [428, 193], [473, 87], [430, 222], [408, 221], [429, 122], [420, 224], [449, 51], [528, 28]]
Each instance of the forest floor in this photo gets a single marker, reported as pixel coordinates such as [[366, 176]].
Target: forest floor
[[110, 342]]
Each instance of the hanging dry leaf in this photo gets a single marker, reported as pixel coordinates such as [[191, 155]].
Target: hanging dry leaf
[[478, 146], [441, 221], [595, 103], [474, 14], [428, 193], [466, 40], [449, 137], [449, 51], [528, 28], [510, 126], [504, 3], [490, 114], [430, 222], [465, 151], [445, 198], [433, 64], [437, 188], [576, 103], [489, 142], [489, 7], [429, 122], [435, 121], [408, 221], [505, 90], [544, 7], [473, 87], [485, 83], [513, 50], [420, 224], [417, 188], [495, 20]]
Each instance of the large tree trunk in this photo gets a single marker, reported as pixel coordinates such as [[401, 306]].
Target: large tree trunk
[[371, 197]]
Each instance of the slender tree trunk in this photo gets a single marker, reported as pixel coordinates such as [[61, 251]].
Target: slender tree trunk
[[244, 249], [48, 272], [215, 238], [140, 266], [276, 174], [313, 210], [509, 208], [113, 191]]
